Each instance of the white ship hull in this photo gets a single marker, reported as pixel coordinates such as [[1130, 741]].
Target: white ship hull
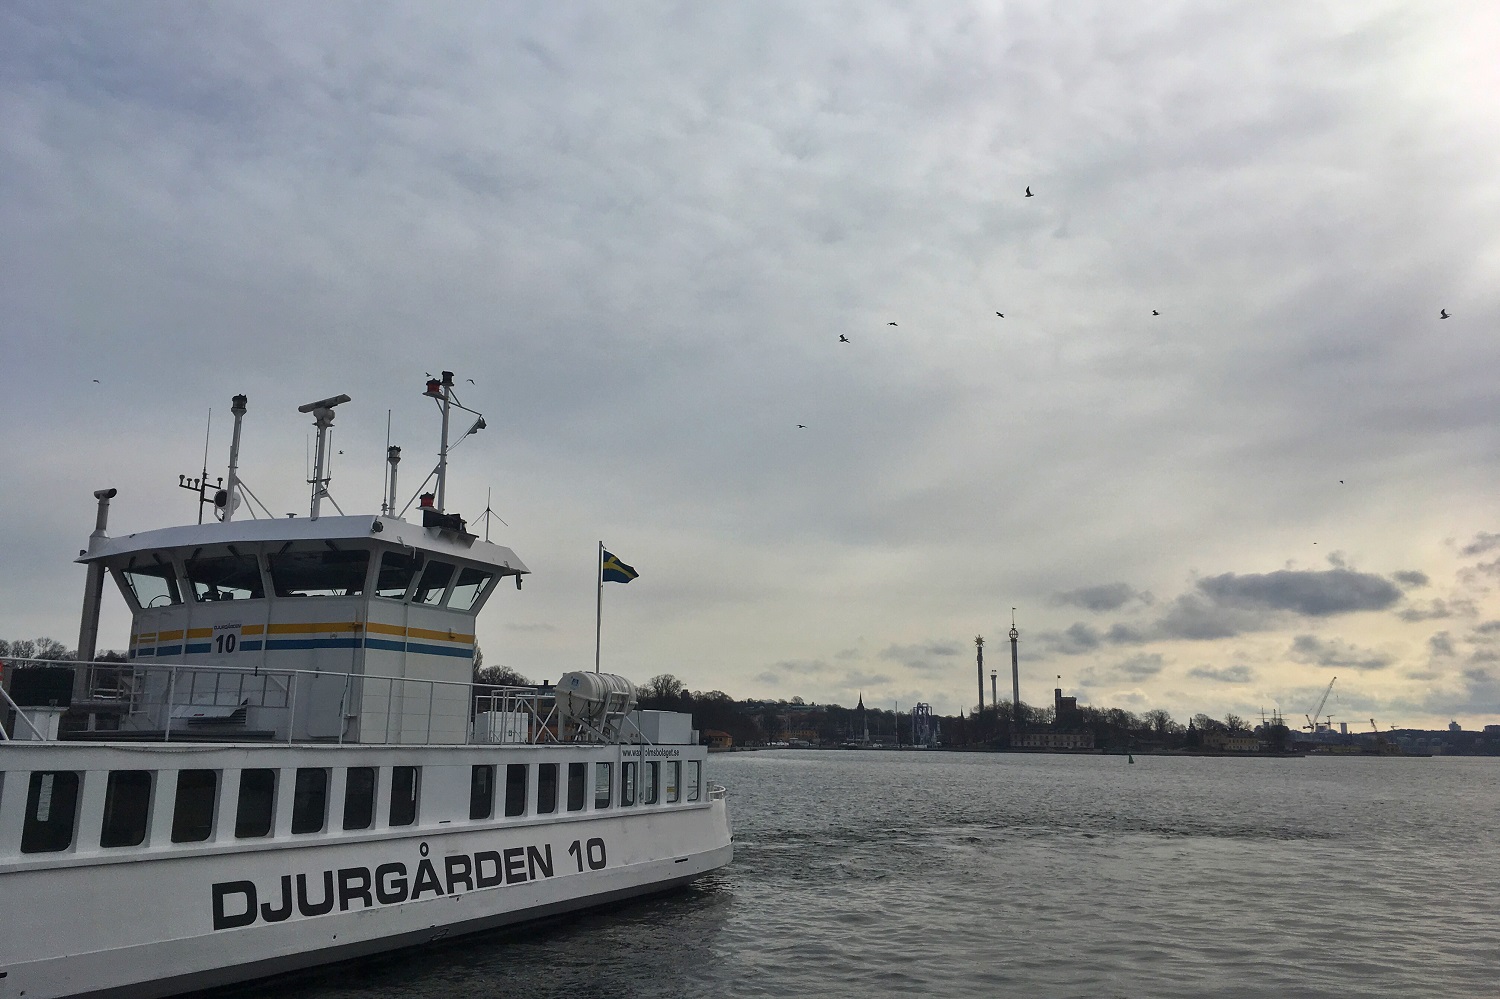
[[169, 918]]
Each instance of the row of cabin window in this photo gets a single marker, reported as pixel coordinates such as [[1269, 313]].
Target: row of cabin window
[[305, 572], [52, 799]]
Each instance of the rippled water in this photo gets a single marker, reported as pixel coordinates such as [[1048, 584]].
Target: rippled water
[[878, 873]]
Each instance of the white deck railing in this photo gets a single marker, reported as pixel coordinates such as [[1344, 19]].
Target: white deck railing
[[166, 699]]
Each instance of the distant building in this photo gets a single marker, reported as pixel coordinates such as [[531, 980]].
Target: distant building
[[1231, 742], [1454, 726], [1053, 740], [715, 739]]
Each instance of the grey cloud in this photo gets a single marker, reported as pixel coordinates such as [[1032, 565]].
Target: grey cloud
[[1336, 653], [1436, 610], [1104, 597], [1312, 594], [1141, 667], [1193, 617], [1441, 644], [1411, 577], [860, 678], [1223, 674], [1482, 543], [797, 667], [921, 657]]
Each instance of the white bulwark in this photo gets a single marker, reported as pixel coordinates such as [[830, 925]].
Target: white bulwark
[[293, 766]]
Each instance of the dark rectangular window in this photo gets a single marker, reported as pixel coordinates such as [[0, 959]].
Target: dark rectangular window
[[153, 585], [51, 811], [127, 808], [515, 789], [482, 792], [193, 813], [546, 788], [577, 774], [433, 584], [396, 571], [359, 798], [694, 769], [257, 804], [650, 775], [674, 780], [310, 800], [319, 573], [627, 784], [405, 785], [603, 784], [225, 577]]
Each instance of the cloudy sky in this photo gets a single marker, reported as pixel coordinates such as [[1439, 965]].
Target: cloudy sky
[[642, 229]]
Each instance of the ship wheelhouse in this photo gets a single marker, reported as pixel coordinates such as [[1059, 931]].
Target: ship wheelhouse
[[342, 629]]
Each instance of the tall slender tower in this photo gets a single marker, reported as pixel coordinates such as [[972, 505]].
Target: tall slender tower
[[979, 656], [1015, 670]]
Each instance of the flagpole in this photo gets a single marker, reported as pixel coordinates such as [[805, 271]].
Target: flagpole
[[599, 605]]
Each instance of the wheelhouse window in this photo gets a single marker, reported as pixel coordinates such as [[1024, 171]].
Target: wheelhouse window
[[51, 811], [127, 808], [405, 786], [434, 583], [515, 789], [153, 585], [577, 774], [310, 800], [395, 575], [193, 812], [257, 803], [693, 769], [359, 798], [603, 784], [325, 573], [225, 577], [546, 788], [471, 583], [482, 792]]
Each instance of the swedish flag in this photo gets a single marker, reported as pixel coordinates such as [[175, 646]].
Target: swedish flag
[[612, 570]]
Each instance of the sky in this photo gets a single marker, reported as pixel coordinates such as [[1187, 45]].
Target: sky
[[1220, 448]]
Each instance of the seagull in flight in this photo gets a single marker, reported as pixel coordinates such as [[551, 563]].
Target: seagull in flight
[[1028, 191], [471, 381], [843, 339], [801, 426], [1155, 313], [1443, 314], [890, 324], [1000, 314], [97, 382]]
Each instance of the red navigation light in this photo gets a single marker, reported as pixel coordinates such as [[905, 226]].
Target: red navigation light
[[434, 388], [426, 502]]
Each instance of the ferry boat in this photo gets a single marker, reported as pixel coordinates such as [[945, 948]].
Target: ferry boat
[[294, 766]]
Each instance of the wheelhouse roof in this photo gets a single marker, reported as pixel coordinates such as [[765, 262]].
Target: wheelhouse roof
[[383, 532]]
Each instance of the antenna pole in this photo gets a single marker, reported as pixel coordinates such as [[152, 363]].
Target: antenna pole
[[442, 472], [204, 477], [1015, 670], [238, 409], [322, 412]]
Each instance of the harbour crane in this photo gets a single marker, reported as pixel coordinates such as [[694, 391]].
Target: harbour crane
[[1312, 724]]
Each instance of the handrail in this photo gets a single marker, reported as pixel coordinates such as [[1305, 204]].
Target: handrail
[[21, 714], [717, 791]]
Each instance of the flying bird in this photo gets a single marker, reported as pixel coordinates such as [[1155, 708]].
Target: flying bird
[[1341, 481], [890, 324], [1028, 191], [1443, 314], [801, 426], [1155, 313], [97, 382], [1000, 314], [843, 339], [471, 381]]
